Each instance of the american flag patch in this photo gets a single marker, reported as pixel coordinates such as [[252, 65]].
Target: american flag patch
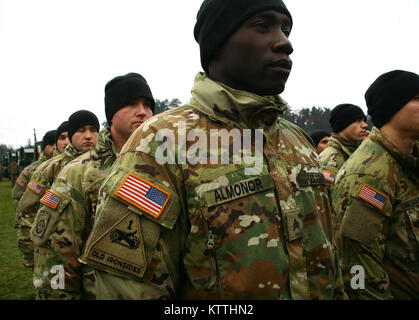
[[51, 199], [20, 182], [329, 176], [35, 187], [372, 196], [143, 195]]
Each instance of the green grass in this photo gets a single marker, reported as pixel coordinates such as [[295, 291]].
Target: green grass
[[15, 279]]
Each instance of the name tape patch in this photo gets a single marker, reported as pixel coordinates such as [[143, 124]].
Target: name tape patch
[[373, 196], [238, 190], [35, 187], [51, 199], [329, 176], [143, 194], [20, 182]]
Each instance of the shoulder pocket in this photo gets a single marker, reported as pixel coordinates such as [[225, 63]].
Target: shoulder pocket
[[128, 226], [47, 216], [362, 223]]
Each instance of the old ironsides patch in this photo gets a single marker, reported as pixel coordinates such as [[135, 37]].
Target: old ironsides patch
[[121, 247]]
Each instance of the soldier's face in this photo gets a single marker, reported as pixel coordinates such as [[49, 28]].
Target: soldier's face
[[407, 119], [49, 149], [84, 139], [323, 144], [126, 120], [356, 131], [62, 141], [256, 57]]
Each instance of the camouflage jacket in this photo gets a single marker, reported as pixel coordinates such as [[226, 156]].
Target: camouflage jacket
[[71, 221], [376, 199], [25, 177], [334, 156], [42, 179], [204, 229]]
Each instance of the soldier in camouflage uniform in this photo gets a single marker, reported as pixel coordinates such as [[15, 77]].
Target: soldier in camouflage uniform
[[128, 103], [376, 196], [13, 170], [25, 244], [171, 225], [350, 129], [84, 139]]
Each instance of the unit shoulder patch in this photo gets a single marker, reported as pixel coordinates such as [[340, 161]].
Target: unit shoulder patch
[[51, 199], [143, 195], [121, 247], [35, 187], [372, 196]]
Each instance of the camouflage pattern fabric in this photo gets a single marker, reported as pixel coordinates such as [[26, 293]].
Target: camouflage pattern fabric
[[334, 156], [376, 199], [25, 244], [71, 222], [224, 231], [41, 180]]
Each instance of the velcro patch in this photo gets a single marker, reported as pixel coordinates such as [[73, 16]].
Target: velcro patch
[[143, 195], [35, 187], [306, 179], [372, 196], [121, 247], [20, 182], [329, 176], [51, 199]]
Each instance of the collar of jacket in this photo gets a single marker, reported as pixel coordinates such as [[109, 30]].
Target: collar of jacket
[[234, 107], [408, 161], [337, 142], [104, 142], [43, 157], [71, 151]]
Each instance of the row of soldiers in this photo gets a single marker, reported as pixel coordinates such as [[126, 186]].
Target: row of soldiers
[[126, 225]]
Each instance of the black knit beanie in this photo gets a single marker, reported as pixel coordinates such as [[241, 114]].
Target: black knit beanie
[[218, 19], [62, 128], [122, 90], [79, 119], [345, 114], [389, 93], [49, 138], [318, 135]]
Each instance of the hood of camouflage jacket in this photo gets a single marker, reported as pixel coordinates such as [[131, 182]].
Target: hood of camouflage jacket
[[407, 161], [234, 107], [104, 142]]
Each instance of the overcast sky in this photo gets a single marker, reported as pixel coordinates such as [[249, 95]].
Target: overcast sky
[[57, 55]]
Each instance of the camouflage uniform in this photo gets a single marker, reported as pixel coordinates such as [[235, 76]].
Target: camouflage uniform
[[223, 231], [13, 170], [376, 199], [334, 156], [22, 228], [41, 180], [78, 185]]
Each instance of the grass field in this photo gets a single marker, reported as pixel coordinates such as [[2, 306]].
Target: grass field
[[15, 279]]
